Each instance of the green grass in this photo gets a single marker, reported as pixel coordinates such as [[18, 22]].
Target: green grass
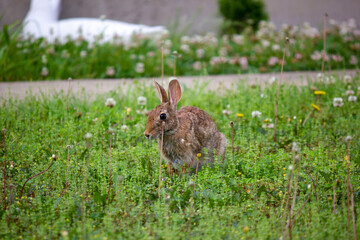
[[247, 192]]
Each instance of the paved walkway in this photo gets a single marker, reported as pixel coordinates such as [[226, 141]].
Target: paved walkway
[[99, 86]]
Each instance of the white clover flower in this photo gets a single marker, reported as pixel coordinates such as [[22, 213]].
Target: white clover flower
[[44, 72], [83, 54], [268, 125], [141, 100], [272, 61], [226, 112], [272, 80], [200, 53], [347, 78], [338, 102], [110, 71], [44, 59], [348, 139], [110, 102], [294, 147], [309, 186], [349, 91], [352, 98], [185, 48], [124, 128], [276, 47], [140, 67], [102, 17], [88, 136], [256, 114], [238, 39], [291, 167], [197, 65]]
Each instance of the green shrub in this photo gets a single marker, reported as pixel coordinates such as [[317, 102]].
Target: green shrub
[[239, 14]]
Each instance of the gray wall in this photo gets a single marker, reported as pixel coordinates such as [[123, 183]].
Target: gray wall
[[200, 15]]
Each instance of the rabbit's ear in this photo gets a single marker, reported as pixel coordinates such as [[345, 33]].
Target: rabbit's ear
[[161, 92], [174, 92]]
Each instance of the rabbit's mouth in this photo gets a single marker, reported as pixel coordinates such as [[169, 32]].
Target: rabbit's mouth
[[150, 136]]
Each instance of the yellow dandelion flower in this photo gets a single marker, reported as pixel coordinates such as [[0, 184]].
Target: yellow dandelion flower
[[266, 120], [240, 115], [248, 191], [198, 155], [346, 158], [319, 93], [246, 229], [239, 173], [315, 107]]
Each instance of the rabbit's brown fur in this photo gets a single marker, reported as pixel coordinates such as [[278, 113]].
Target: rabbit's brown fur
[[186, 133]]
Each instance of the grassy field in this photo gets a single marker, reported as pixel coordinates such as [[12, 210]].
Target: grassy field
[[317, 153]]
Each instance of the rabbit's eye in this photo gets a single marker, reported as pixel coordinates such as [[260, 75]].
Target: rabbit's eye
[[163, 116]]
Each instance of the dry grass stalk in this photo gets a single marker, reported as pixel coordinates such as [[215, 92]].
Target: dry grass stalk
[[279, 84], [161, 148], [232, 140], [22, 189]]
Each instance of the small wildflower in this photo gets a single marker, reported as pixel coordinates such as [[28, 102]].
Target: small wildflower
[[294, 147], [319, 93], [291, 167], [83, 54], [309, 186], [348, 138], [352, 98], [110, 102], [272, 80], [191, 183], [246, 229], [338, 102], [226, 112], [248, 191], [141, 100], [315, 107], [349, 92], [44, 72], [110, 71], [197, 65], [346, 158], [69, 146], [64, 233], [239, 173], [94, 120], [256, 114], [102, 17], [240, 115], [347, 78], [124, 128], [140, 67], [53, 157], [268, 125], [167, 198], [198, 155], [87, 135]]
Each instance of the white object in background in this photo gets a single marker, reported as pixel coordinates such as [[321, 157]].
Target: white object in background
[[42, 21]]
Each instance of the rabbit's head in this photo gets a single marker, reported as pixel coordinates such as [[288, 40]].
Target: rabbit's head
[[165, 112]]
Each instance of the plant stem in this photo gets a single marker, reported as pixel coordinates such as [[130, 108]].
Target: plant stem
[[161, 148], [32, 178], [232, 140], [278, 91], [324, 47], [5, 163], [107, 195]]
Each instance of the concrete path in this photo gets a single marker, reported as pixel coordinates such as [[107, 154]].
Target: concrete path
[[19, 90]]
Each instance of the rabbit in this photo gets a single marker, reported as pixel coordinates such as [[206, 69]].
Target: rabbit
[[186, 132]]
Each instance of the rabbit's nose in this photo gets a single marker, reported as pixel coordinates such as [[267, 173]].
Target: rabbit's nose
[[146, 135]]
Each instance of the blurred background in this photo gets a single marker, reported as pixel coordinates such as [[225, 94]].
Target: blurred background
[[189, 16]]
